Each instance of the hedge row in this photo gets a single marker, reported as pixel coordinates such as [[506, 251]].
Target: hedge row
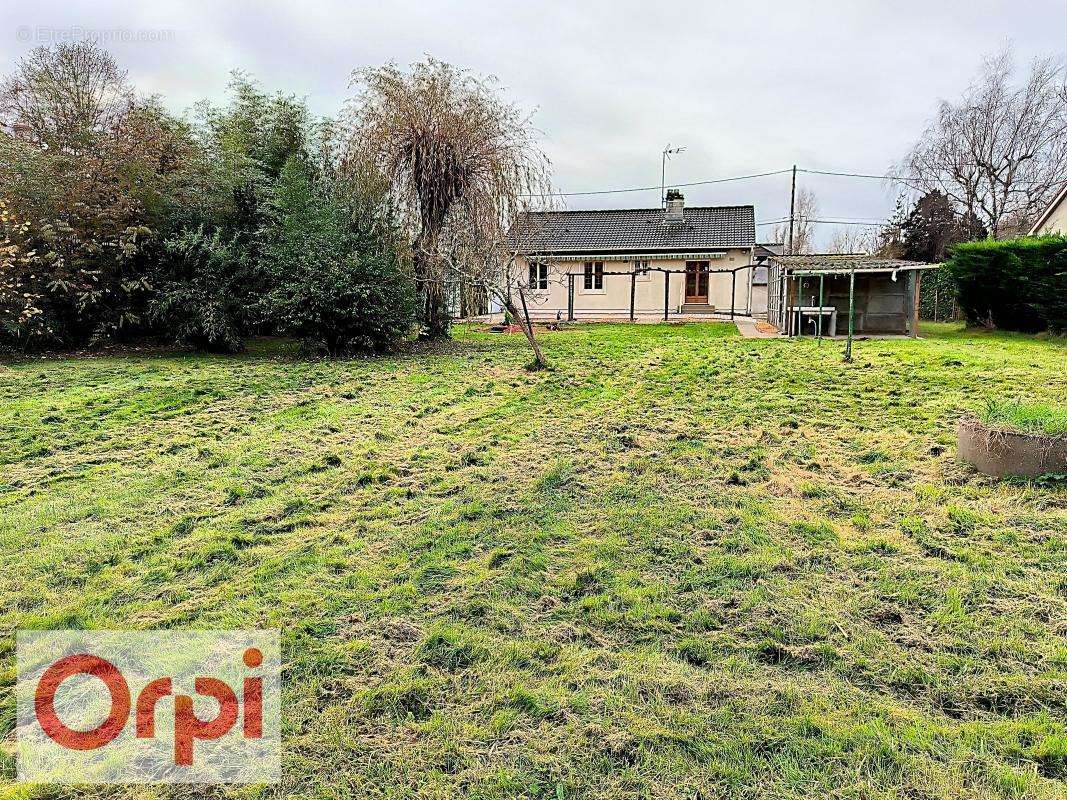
[[1016, 284], [937, 296]]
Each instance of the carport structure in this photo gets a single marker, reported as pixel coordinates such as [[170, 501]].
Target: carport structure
[[809, 294]]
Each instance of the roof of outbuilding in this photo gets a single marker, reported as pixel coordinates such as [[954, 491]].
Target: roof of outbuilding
[[638, 230], [765, 249], [846, 262]]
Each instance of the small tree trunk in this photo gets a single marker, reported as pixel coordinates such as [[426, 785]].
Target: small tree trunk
[[527, 328], [435, 314], [431, 294]]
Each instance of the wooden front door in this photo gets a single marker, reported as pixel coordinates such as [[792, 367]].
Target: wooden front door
[[696, 281]]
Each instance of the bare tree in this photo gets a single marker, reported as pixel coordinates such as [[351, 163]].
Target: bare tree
[[852, 239], [489, 257], [1000, 152], [462, 161], [61, 99], [805, 211]]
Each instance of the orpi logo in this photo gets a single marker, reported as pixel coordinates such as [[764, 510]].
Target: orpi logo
[[148, 706]]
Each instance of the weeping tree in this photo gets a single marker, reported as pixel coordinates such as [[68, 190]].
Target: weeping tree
[[464, 165]]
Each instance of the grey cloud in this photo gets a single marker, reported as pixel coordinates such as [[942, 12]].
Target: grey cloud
[[746, 87]]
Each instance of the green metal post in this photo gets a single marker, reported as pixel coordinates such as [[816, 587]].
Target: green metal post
[[666, 292], [733, 291], [851, 313], [818, 333], [633, 293], [790, 329], [914, 278]]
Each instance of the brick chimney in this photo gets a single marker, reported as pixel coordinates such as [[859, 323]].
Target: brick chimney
[[675, 211]]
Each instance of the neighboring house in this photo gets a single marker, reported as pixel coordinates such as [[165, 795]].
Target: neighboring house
[[1054, 219], [589, 264]]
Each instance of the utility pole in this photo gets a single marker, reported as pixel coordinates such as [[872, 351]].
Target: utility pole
[[792, 208], [667, 153]]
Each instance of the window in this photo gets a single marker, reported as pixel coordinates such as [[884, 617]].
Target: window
[[538, 276], [641, 268], [759, 276], [594, 276]]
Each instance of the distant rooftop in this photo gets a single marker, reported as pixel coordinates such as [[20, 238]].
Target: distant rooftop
[[635, 230], [765, 249]]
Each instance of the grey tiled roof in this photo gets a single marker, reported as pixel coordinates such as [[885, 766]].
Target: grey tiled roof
[[638, 230]]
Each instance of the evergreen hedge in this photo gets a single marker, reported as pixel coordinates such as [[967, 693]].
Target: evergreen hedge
[[937, 296], [1015, 284]]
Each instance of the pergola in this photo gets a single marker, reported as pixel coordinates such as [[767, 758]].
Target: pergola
[[632, 273], [786, 279]]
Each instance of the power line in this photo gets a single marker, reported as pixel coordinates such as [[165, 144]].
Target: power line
[[832, 218], [902, 179], [856, 175], [710, 181], [872, 224], [657, 188], [848, 222], [855, 221]]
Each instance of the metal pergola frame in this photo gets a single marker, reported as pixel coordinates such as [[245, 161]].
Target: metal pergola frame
[[781, 277], [633, 273]]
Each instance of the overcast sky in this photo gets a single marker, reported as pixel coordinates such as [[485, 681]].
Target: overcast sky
[[745, 86]]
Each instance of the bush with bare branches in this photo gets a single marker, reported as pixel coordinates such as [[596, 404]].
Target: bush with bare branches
[[805, 211]]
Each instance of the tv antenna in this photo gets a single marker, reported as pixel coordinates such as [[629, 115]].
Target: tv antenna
[[668, 151]]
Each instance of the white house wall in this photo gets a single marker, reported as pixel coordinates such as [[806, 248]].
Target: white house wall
[[1057, 220], [614, 298]]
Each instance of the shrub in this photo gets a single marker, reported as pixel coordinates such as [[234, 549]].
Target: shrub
[[937, 295], [74, 242], [22, 318], [1016, 284], [88, 174], [200, 291], [334, 269]]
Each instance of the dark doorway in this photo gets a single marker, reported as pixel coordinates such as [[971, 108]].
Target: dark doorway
[[696, 281]]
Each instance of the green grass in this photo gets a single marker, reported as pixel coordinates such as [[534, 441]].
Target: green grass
[[1039, 418], [680, 564]]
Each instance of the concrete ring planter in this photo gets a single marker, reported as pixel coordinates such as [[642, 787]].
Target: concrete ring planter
[[1003, 454]]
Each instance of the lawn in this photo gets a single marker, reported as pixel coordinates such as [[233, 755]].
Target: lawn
[[679, 564]]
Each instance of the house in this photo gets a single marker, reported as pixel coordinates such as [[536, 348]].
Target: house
[[817, 293], [1054, 218], [630, 263]]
